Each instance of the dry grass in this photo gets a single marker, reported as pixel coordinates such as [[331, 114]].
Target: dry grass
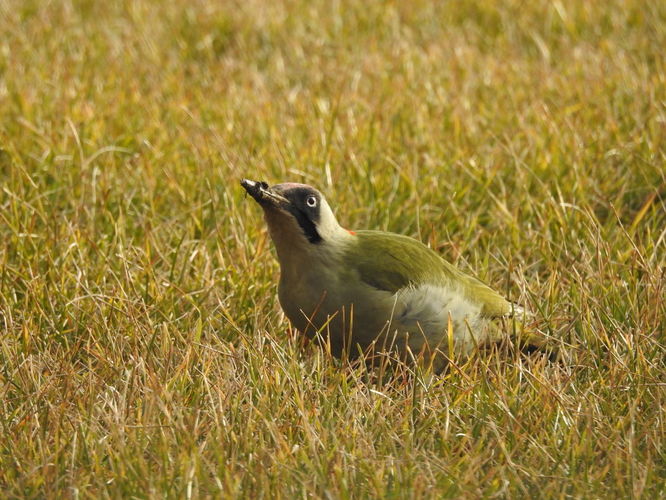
[[143, 352]]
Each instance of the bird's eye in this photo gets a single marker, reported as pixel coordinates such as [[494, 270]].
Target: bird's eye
[[311, 201]]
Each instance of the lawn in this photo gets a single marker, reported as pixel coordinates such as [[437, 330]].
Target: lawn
[[143, 352]]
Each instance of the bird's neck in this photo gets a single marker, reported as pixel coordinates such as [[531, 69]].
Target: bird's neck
[[296, 253]]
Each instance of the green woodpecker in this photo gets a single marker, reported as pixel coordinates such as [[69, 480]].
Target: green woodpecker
[[371, 291]]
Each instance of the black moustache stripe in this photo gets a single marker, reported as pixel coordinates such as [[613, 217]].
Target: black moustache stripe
[[308, 227]]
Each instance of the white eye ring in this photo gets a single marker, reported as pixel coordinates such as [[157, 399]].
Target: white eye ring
[[311, 201]]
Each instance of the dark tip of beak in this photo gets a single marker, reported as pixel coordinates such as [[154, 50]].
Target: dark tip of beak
[[259, 190], [249, 185], [253, 188]]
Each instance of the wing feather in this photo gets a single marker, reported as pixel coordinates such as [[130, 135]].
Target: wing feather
[[400, 261]]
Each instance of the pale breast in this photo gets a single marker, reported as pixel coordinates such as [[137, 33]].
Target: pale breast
[[342, 310], [364, 314]]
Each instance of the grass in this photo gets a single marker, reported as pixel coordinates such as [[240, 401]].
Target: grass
[[143, 351]]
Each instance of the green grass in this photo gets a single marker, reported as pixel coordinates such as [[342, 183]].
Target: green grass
[[143, 352]]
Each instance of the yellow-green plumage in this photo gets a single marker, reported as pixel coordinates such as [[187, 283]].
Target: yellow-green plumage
[[408, 262], [371, 290]]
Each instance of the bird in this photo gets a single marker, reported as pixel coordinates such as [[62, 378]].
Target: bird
[[368, 292]]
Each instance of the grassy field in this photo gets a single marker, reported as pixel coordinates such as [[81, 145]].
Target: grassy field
[[143, 352]]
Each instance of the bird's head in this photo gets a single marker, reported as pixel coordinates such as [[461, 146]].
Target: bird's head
[[298, 215]]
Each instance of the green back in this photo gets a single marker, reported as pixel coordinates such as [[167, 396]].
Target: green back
[[401, 261]]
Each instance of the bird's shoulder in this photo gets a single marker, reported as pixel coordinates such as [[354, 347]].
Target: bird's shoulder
[[392, 262]]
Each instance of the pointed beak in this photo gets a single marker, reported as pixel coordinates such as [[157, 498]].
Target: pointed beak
[[263, 194]]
